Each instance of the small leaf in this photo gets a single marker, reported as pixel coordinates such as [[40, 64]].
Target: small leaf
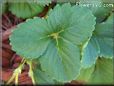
[[104, 34], [25, 9], [103, 72], [99, 73]]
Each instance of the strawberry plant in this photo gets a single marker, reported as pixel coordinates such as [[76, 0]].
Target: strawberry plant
[[72, 42]]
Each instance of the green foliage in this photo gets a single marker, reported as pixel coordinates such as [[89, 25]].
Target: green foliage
[[67, 44], [105, 37], [25, 8], [99, 73], [100, 44], [103, 72], [55, 40]]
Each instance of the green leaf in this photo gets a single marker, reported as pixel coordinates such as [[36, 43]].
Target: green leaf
[[103, 72], [25, 9], [29, 39], [69, 27], [106, 47], [90, 53], [105, 28], [104, 34], [99, 73], [56, 40], [65, 59], [100, 44]]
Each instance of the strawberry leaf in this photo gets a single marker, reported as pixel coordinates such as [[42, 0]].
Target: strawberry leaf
[[69, 40], [103, 72], [56, 40], [99, 73], [100, 44], [27, 8], [104, 34]]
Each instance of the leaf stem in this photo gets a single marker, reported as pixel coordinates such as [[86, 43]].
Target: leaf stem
[[16, 73], [11, 79], [16, 79], [31, 75]]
